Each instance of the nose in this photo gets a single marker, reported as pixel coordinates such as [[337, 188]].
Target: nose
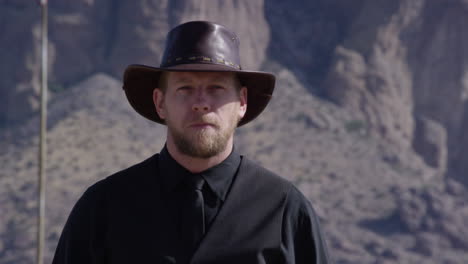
[[201, 104]]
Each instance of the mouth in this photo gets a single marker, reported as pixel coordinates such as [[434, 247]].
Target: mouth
[[200, 125]]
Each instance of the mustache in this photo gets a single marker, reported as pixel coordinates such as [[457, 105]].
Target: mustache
[[205, 119]]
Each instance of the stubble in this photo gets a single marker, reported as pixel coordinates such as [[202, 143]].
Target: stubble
[[204, 143]]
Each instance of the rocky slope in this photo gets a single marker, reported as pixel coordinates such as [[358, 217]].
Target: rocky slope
[[368, 117]]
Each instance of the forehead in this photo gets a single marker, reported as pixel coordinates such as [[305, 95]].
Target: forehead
[[176, 77]]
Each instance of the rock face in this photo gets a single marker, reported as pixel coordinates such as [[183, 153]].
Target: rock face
[[367, 119], [388, 62], [440, 62], [414, 69], [374, 82], [430, 143], [20, 76]]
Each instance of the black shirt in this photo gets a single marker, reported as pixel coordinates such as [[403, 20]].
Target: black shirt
[[260, 218]]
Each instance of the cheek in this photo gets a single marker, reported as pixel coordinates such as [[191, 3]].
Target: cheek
[[173, 105], [231, 111], [179, 113], [173, 113]]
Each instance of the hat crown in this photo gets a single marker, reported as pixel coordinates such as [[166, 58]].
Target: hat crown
[[201, 42]]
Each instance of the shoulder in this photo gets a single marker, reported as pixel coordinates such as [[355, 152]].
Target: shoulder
[[263, 174], [299, 210], [296, 200], [302, 230], [127, 180], [139, 172], [136, 171]]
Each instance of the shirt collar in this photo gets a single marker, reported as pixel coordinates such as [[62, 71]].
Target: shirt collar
[[218, 177]]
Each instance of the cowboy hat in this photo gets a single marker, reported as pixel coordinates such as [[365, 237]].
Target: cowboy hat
[[197, 46]]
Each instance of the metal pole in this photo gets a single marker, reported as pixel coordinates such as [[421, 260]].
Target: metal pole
[[42, 144]]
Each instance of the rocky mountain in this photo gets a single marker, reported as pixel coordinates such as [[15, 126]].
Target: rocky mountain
[[367, 119]]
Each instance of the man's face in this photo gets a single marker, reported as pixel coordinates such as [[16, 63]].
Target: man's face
[[201, 110]]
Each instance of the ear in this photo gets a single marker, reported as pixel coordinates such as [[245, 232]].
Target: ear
[[158, 100], [243, 101]]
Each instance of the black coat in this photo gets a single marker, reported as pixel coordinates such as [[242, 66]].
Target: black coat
[[121, 219]]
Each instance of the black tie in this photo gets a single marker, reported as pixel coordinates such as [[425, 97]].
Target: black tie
[[193, 215]]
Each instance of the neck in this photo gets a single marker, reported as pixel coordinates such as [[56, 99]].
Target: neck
[[196, 165]]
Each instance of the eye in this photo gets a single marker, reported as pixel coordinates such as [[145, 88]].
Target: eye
[[185, 88], [216, 87]]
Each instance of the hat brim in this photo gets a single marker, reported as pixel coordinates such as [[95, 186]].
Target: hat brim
[[140, 81]]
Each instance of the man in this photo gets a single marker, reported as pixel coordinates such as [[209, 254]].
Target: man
[[197, 201]]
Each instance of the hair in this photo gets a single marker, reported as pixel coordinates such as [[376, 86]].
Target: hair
[[162, 82]]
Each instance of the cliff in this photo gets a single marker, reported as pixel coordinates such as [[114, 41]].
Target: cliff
[[367, 119]]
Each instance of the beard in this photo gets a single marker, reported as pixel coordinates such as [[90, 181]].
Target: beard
[[204, 143]]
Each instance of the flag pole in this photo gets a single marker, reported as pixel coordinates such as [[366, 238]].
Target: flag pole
[[42, 140]]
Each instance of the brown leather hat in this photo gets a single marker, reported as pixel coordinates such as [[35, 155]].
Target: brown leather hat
[[198, 46]]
